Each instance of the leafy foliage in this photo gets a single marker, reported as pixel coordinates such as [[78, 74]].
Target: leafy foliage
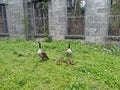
[[48, 38]]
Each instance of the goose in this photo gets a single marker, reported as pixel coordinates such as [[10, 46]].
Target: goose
[[69, 50], [42, 54], [69, 54]]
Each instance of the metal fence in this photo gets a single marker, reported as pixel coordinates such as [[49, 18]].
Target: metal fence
[[41, 17], [75, 13], [36, 14], [114, 26]]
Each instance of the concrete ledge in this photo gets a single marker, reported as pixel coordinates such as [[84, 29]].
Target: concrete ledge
[[74, 37], [4, 35], [113, 38], [39, 36]]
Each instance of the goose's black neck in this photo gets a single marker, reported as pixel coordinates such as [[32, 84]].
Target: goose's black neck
[[39, 45], [68, 44]]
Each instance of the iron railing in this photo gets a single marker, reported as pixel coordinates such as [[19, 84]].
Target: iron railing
[[36, 14]]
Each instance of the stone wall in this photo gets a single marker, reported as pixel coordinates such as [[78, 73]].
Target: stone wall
[[15, 18], [58, 19], [97, 20]]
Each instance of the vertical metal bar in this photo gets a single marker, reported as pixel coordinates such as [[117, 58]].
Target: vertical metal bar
[[43, 19], [26, 13], [44, 22], [67, 16], [34, 17], [5, 29]]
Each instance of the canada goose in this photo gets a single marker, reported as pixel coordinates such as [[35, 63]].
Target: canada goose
[[69, 50], [42, 54], [69, 54]]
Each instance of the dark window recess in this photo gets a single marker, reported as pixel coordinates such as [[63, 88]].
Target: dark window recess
[[75, 14], [3, 19], [41, 17], [114, 25]]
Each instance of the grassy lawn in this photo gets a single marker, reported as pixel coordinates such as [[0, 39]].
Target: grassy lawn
[[96, 67]]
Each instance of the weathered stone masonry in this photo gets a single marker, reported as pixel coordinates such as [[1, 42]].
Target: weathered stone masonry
[[97, 20], [15, 18], [58, 19]]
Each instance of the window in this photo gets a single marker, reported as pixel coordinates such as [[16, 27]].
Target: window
[[41, 17], [3, 19], [114, 27], [75, 13], [36, 13]]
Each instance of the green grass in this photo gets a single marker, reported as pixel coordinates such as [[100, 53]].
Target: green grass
[[96, 67]]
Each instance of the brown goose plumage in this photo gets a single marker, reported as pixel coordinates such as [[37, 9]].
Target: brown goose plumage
[[42, 54]]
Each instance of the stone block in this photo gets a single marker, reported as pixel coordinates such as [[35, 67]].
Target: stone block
[[90, 11], [89, 19], [58, 37], [102, 10], [96, 25], [96, 32], [101, 18], [95, 39], [62, 20], [90, 3], [101, 3]]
